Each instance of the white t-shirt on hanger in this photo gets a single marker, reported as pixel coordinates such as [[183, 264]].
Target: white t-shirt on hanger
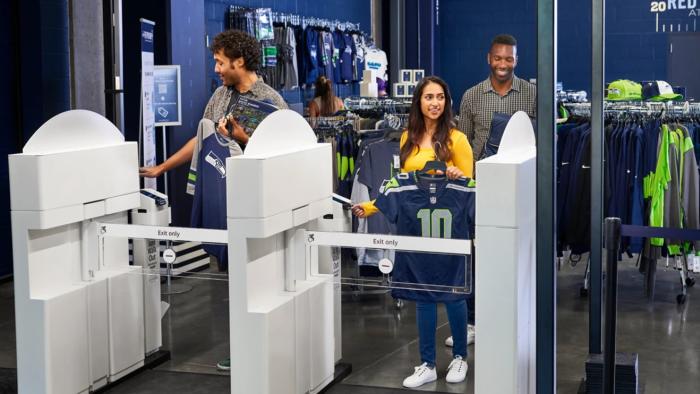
[[375, 59]]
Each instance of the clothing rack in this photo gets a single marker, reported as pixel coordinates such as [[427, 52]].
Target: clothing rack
[[391, 104], [645, 113], [395, 121], [337, 121], [334, 24], [300, 20], [572, 96], [287, 64], [293, 19], [645, 107]]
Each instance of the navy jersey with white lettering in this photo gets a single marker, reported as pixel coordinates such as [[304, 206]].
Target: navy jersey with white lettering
[[429, 207]]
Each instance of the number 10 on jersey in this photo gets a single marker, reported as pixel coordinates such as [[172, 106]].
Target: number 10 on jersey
[[435, 223]]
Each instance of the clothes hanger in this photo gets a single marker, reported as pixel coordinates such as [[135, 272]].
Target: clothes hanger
[[393, 135], [433, 165]]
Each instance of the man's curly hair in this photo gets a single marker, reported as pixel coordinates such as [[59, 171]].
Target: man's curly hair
[[237, 44]]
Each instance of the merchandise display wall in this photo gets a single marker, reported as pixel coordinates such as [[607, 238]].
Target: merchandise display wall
[[215, 13], [635, 50]]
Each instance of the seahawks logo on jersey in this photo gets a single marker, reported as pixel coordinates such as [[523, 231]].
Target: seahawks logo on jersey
[[216, 162], [388, 184]]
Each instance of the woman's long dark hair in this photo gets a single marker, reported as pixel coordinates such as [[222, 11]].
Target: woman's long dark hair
[[324, 89], [416, 124]]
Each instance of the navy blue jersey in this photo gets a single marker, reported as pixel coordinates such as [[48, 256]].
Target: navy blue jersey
[[428, 207], [498, 127], [347, 56], [311, 61], [325, 54], [209, 209], [359, 63], [338, 47]]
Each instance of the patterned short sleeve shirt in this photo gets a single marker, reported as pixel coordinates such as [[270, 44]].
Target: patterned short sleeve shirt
[[219, 101], [481, 101]]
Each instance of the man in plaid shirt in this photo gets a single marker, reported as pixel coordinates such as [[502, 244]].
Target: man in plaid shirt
[[502, 92]]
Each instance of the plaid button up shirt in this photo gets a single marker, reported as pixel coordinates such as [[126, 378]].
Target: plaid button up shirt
[[481, 101]]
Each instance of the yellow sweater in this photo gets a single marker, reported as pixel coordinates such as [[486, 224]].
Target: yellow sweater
[[462, 158]]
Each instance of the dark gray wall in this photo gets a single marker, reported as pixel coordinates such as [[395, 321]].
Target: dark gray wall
[[87, 56], [10, 140]]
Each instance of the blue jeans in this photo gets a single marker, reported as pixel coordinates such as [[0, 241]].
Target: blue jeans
[[426, 316]]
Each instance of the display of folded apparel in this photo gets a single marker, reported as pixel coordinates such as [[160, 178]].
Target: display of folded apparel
[[626, 373]]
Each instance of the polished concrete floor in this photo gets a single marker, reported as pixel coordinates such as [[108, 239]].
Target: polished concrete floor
[[380, 340]]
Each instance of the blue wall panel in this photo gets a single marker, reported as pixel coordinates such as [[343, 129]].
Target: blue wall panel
[[634, 48], [574, 46], [189, 51], [466, 30], [421, 41]]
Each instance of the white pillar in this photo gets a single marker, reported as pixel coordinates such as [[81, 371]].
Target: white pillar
[[505, 264]]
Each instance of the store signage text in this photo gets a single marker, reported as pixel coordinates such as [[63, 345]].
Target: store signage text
[[385, 242], [670, 5], [168, 233]]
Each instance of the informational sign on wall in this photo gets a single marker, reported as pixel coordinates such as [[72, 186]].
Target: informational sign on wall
[[148, 134], [166, 97], [675, 16]]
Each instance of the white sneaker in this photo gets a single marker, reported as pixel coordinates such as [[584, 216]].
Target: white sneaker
[[449, 341], [421, 375], [471, 337], [471, 334], [457, 371]]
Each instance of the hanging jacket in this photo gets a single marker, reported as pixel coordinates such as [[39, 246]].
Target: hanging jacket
[[658, 183], [690, 181]]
